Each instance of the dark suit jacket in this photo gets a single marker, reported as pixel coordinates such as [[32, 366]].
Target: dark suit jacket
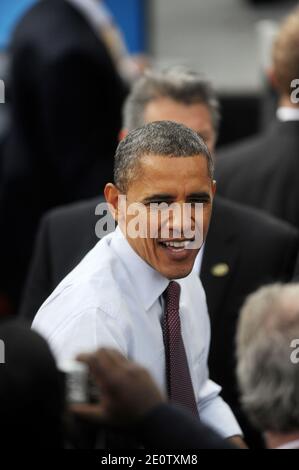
[[170, 427], [296, 271], [251, 246], [258, 249], [66, 114], [264, 171]]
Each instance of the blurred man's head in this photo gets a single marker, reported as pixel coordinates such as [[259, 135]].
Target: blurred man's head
[[31, 391], [268, 371], [163, 163], [285, 56], [175, 94]]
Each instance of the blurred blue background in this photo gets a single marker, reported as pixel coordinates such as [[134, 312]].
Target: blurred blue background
[[129, 15]]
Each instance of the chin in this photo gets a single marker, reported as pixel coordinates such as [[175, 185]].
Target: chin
[[178, 273]]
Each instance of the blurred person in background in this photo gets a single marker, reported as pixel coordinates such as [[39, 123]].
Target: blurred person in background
[[227, 263], [67, 92], [268, 371], [31, 391], [263, 171]]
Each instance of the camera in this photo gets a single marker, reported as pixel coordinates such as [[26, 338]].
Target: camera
[[79, 385]]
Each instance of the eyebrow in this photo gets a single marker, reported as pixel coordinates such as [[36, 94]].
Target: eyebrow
[[169, 197]]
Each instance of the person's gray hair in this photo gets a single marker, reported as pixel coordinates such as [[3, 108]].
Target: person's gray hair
[[268, 378], [160, 138], [178, 83]]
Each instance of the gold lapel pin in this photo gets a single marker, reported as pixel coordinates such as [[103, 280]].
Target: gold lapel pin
[[220, 269]]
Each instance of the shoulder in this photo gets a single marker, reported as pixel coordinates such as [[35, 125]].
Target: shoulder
[[93, 283], [252, 222], [71, 217], [234, 159], [265, 150], [239, 151], [71, 35], [56, 12], [91, 289]]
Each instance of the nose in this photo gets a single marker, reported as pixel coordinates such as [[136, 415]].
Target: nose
[[183, 221]]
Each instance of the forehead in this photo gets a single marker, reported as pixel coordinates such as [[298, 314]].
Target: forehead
[[172, 174], [196, 116]]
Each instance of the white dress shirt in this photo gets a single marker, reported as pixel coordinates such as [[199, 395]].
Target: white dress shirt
[[113, 299], [284, 114]]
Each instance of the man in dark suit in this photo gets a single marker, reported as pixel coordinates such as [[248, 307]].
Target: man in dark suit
[[244, 248], [263, 171], [67, 96]]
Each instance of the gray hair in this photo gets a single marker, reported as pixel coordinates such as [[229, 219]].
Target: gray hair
[[268, 378], [178, 83], [163, 138]]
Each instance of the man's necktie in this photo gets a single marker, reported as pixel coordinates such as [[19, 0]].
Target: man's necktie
[[180, 388]]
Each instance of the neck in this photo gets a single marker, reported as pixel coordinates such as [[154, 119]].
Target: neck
[[274, 440], [285, 101]]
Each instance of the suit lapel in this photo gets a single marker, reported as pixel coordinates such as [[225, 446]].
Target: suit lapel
[[219, 257]]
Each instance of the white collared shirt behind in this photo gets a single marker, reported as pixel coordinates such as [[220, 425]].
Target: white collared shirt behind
[[285, 114]]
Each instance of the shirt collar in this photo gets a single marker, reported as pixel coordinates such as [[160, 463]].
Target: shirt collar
[[150, 284], [198, 260], [284, 113]]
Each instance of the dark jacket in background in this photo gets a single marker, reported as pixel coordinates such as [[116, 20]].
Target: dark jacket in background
[[264, 171], [257, 249], [66, 114], [31, 392], [244, 249], [170, 427]]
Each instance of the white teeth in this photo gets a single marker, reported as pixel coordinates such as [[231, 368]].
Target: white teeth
[[183, 244]]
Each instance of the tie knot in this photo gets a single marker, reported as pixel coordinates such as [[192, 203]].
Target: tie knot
[[172, 293]]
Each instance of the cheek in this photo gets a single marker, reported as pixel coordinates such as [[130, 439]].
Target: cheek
[[150, 247]]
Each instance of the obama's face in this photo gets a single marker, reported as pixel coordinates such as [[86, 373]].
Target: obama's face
[[168, 180]]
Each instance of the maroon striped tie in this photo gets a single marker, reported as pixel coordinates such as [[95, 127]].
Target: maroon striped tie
[[180, 388]]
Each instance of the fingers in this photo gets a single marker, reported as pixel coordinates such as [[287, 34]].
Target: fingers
[[105, 365]]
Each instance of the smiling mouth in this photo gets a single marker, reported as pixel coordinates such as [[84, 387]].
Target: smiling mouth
[[175, 245]]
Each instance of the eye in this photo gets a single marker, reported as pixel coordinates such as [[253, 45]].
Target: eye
[[203, 200], [158, 204]]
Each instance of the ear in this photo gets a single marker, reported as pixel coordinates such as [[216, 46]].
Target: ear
[[111, 194], [271, 77], [122, 134], [214, 187]]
